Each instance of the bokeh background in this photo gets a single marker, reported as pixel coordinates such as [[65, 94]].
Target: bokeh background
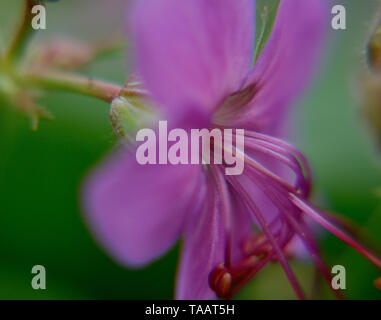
[[41, 172]]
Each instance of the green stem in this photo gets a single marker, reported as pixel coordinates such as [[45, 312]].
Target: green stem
[[23, 34], [72, 83]]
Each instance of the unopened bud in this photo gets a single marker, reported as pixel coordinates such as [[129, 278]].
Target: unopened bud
[[128, 115], [64, 54]]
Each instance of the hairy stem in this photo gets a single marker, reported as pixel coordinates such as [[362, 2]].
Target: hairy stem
[[73, 83]]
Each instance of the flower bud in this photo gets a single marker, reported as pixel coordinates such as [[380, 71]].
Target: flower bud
[[63, 54], [128, 115], [69, 54]]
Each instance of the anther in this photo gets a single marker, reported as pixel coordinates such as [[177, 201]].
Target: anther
[[220, 280]]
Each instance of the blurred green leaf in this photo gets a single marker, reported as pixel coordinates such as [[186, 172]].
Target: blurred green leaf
[[266, 12]]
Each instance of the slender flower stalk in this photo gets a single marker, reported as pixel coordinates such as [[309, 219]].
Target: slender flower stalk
[[23, 34], [69, 82]]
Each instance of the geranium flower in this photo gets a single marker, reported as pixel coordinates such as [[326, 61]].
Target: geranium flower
[[195, 58]]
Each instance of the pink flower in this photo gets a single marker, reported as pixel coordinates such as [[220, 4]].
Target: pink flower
[[195, 59]]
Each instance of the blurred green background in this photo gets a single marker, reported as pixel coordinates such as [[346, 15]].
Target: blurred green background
[[41, 172]]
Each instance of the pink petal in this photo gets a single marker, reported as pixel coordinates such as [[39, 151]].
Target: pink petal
[[242, 227], [137, 211], [192, 54], [203, 249], [286, 62]]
